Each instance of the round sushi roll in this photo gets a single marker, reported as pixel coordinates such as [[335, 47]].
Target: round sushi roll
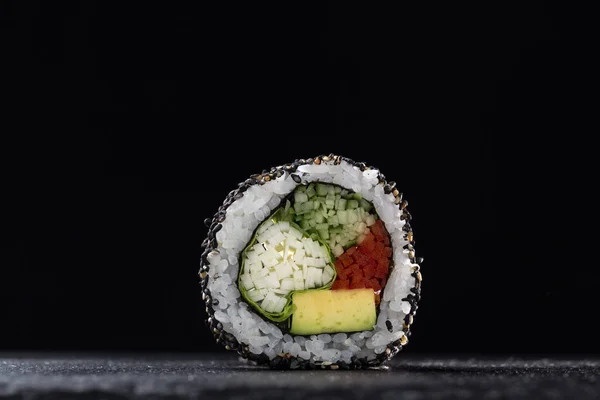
[[312, 265]]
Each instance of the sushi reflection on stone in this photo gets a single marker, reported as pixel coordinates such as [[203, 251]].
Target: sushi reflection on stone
[[358, 239]]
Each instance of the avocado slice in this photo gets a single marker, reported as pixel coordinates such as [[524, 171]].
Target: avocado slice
[[331, 311]]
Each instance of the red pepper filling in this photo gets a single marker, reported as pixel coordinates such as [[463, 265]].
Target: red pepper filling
[[366, 265]]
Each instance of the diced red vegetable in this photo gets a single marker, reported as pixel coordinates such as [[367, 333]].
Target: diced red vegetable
[[369, 271], [381, 271], [341, 271], [387, 252], [386, 240], [375, 284], [345, 259], [378, 230], [340, 284], [365, 265]]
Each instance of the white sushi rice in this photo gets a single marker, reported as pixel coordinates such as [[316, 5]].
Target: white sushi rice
[[242, 218]]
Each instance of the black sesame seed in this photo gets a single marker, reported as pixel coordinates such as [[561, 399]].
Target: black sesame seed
[[389, 326], [229, 337], [262, 358], [274, 363], [205, 254], [387, 189], [296, 178], [215, 302], [373, 363], [410, 298]]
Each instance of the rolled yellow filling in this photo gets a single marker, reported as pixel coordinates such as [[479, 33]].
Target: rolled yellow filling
[[331, 311]]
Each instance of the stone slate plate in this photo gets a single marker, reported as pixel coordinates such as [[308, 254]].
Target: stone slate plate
[[193, 376]]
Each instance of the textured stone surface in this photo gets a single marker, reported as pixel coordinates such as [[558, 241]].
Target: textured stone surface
[[60, 376]]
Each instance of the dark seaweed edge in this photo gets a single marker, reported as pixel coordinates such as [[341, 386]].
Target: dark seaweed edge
[[286, 361]]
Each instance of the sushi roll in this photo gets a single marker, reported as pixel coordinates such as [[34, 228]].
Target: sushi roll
[[312, 265]]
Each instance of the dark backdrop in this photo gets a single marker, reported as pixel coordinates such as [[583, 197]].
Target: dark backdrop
[[127, 126]]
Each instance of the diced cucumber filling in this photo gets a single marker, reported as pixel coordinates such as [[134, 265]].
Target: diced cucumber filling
[[330, 213], [352, 204], [300, 197], [322, 189], [365, 205]]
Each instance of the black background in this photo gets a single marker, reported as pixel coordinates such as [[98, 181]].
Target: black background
[[126, 126]]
